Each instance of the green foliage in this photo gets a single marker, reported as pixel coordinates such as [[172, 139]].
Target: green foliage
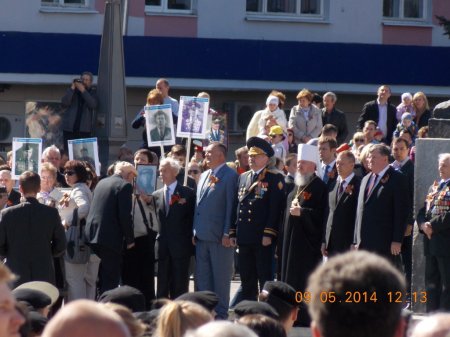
[[445, 24]]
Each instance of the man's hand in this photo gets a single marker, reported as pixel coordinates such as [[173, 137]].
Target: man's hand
[[80, 86], [396, 248], [226, 242], [324, 250], [233, 242], [130, 245], [266, 241], [295, 209], [427, 229]]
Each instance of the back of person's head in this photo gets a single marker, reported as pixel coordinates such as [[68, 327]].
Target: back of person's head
[[123, 167], [221, 329], [329, 130], [437, 325], [357, 285], [263, 326], [127, 296], [177, 317], [281, 296], [85, 318], [30, 182], [134, 325]]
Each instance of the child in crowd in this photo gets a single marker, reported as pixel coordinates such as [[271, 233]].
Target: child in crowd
[[277, 136], [405, 106], [408, 125]]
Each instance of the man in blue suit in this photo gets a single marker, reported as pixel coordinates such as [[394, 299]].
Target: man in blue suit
[[214, 214]]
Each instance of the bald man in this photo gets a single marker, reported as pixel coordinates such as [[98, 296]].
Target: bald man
[[437, 325], [85, 318]]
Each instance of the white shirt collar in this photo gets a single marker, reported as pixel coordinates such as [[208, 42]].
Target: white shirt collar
[[331, 165], [171, 187], [382, 172], [348, 179]]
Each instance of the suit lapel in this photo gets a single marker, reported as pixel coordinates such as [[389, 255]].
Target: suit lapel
[[248, 183], [379, 184], [334, 200], [203, 185]]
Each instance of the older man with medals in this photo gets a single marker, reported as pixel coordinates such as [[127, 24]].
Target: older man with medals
[[304, 224], [261, 194], [434, 223]]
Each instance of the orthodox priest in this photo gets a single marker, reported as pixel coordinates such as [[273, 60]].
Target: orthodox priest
[[304, 224]]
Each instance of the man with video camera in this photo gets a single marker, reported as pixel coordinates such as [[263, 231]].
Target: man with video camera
[[81, 100]]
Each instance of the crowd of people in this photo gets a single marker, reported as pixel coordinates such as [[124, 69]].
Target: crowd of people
[[296, 195]]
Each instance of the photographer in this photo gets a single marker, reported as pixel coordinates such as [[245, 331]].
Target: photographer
[[81, 100]]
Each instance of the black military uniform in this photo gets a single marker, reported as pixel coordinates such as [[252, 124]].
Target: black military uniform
[[261, 198]]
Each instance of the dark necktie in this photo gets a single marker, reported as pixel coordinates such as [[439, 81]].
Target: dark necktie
[[325, 174], [372, 183], [167, 200], [341, 188]]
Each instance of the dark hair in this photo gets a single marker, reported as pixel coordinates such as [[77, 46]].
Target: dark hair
[[349, 155], [400, 140], [349, 274], [263, 326], [30, 182], [316, 98], [145, 152], [328, 140], [79, 168], [328, 128], [381, 149], [88, 73], [178, 150]]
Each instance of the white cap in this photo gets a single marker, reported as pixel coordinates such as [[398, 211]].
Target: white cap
[[308, 152], [272, 100]]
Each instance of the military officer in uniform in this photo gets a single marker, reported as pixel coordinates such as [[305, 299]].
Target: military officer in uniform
[[261, 197], [434, 223]]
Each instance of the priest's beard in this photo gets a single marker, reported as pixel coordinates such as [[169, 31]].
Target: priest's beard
[[303, 179]]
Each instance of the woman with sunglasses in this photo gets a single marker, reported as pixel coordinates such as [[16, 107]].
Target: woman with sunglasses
[[194, 170], [81, 278]]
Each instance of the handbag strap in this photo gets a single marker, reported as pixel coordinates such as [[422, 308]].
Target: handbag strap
[[144, 217]]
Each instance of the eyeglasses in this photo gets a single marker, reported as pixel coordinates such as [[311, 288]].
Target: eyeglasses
[[193, 172], [69, 173]]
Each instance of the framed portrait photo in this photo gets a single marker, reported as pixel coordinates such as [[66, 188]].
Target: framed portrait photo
[[159, 125], [26, 156], [192, 117], [146, 179], [85, 149]]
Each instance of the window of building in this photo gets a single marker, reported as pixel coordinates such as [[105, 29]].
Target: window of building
[[65, 3], [171, 6], [289, 7], [404, 9]]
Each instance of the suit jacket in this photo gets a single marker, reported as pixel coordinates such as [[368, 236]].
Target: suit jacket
[[408, 170], [156, 136], [381, 216], [109, 220], [289, 184], [260, 206], [216, 204], [190, 181], [342, 216], [337, 118], [175, 227], [332, 178], [31, 234], [370, 112], [13, 198], [213, 138], [440, 239]]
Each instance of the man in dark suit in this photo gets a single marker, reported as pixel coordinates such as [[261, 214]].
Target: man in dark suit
[[434, 223], [260, 201], [382, 112], [382, 207], [31, 234], [109, 222], [161, 131], [175, 205], [291, 167], [327, 153], [331, 115], [402, 163], [214, 214], [343, 200], [7, 181]]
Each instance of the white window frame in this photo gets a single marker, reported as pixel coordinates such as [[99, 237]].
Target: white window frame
[[298, 13], [62, 4], [163, 8], [401, 13]]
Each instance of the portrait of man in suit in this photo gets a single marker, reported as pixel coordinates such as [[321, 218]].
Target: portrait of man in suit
[[215, 134], [161, 131], [27, 158], [192, 121]]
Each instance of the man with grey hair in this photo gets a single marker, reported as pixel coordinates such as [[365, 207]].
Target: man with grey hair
[[109, 222], [174, 205], [434, 223], [331, 115], [382, 210], [437, 325], [87, 319], [52, 155], [7, 181]]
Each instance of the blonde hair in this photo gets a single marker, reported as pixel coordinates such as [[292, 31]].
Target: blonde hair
[[179, 316], [134, 325], [422, 95], [306, 94], [49, 167], [155, 97]]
